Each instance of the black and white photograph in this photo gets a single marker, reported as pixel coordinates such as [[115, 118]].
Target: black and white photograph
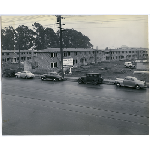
[[75, 75]]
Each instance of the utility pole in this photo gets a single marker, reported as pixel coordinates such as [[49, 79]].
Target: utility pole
[[61, 49]]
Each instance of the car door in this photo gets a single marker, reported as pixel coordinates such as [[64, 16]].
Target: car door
[[132, 82], [126, 81], [48, 76], [23, 74]]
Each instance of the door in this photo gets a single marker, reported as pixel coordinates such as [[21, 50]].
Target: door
[[128, 82], [23, 74]]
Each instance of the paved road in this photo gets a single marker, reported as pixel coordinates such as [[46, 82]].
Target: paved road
[[35, 107]]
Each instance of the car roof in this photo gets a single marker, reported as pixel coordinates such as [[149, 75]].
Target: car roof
[[131, 77]]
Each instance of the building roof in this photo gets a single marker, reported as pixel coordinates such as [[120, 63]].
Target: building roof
[[56, 50]]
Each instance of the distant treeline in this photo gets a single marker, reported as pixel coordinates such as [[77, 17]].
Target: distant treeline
[[40, 38]]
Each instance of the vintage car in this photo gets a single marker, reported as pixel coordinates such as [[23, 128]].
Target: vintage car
[[54, 76], [94, 78], [130, 82], [129, 65], [24, 74], [8, 73]]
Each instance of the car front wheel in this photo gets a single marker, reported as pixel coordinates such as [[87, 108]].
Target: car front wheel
[[55, 79], [42, 78], [118, 84], [137, 87]]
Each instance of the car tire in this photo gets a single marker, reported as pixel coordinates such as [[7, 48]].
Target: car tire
[[137, 87], [54, 79], [118, 84], [16, 76], [42, 78], [26, 77]]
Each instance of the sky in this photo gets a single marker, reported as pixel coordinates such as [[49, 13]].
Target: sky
[[111, 31]]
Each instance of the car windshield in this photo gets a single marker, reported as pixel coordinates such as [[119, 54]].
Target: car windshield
[[28, 72]]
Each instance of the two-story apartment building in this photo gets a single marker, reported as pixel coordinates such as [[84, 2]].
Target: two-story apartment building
[[50, 58]]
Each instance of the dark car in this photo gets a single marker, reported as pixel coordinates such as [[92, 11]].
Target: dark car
[[94, 78], [54, 76], [9, 73]]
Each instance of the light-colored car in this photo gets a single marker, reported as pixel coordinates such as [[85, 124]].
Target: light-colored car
[[24, 74], [130, 82], [129, 65]]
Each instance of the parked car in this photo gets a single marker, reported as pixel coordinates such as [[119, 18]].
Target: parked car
[[8, 73], [130, 82], [24, 74], [129, 65], [54, 76], [94, 78]]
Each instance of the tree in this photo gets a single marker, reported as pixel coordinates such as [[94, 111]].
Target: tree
[[45, 37], [24, 38], [74, 39], [8, 41], [39, 36], [51, 39]]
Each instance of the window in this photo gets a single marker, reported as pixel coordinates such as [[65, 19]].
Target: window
[[129, 51], [53, 65], [75, 53], [116, 57], [126, 51], [76, 61], [93, 52], [89, 52], [95, 75], [68, 54], [7, 53], [65, 54], [122, 51], [132, 51], [2, 53], [29, 52], [85, 53], [53, 54]]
